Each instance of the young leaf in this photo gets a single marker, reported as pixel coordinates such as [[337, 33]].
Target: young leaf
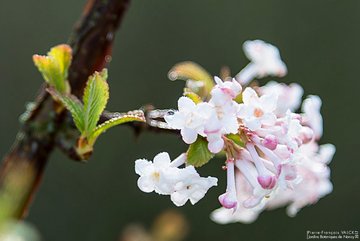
[[120, 119], [63, 55], [54, 67], [191, 71], [95, 98], [73, 105], [198, 153]]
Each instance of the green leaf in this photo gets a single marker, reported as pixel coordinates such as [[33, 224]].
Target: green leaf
[[62, 54], [73, 105], [198, 153], [191, 71], [118, 120], [54, 67], [95, 98]]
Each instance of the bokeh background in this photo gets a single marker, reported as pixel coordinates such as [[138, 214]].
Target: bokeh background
[[319, 40]]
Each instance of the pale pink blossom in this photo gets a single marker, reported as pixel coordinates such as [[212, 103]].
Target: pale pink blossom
[[257, 111], [265, 61], [191, 187], [189, 118], [166, 178], [289, 96]]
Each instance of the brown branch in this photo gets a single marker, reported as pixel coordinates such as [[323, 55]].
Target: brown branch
[[91, 42]]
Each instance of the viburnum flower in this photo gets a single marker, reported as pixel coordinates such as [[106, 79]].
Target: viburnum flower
[[224, 91], [166, 178], [257, 111], [223, 104], [157, 175], [210, 119], [189, 118], [191, 187], [272, 155], [265, 61], [214, 134], [289, 96]]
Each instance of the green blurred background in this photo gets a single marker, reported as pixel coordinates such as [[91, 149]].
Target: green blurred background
[[318, 39]]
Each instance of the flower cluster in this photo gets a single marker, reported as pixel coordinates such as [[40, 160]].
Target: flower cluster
[[211, 119], [272, 155]]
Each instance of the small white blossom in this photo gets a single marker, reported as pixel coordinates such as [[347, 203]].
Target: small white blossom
[[214, 132], [166, 178], [257, 111], [265, 61], [189, 119], [155, 176], [289, 96], [191, 187], [224, 91]]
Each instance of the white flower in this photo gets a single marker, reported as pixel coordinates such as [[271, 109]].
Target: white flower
[[156, 176], [189, 118], [312, 116], [225, 108], [265, 61], [191, 187], [289, 96], [291, 133], [224, 92], [214, 132], [166, 178], [257, 111]]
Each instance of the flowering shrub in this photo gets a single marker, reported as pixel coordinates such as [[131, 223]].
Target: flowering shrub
[[272, 153]]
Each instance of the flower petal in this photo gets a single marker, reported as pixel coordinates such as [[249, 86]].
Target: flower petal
[[189, 135]]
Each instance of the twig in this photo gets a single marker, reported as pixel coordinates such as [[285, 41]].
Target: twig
[[155, 122], [91, 42]]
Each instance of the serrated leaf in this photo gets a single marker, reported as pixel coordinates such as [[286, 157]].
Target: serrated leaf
[[120, 119], [73, 105], [54, 67], [63, 55], [95, 98], [191, 71], [198, 153]]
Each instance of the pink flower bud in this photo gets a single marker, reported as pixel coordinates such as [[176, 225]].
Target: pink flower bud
[[270, 142], [228, 200], [267, 182]]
